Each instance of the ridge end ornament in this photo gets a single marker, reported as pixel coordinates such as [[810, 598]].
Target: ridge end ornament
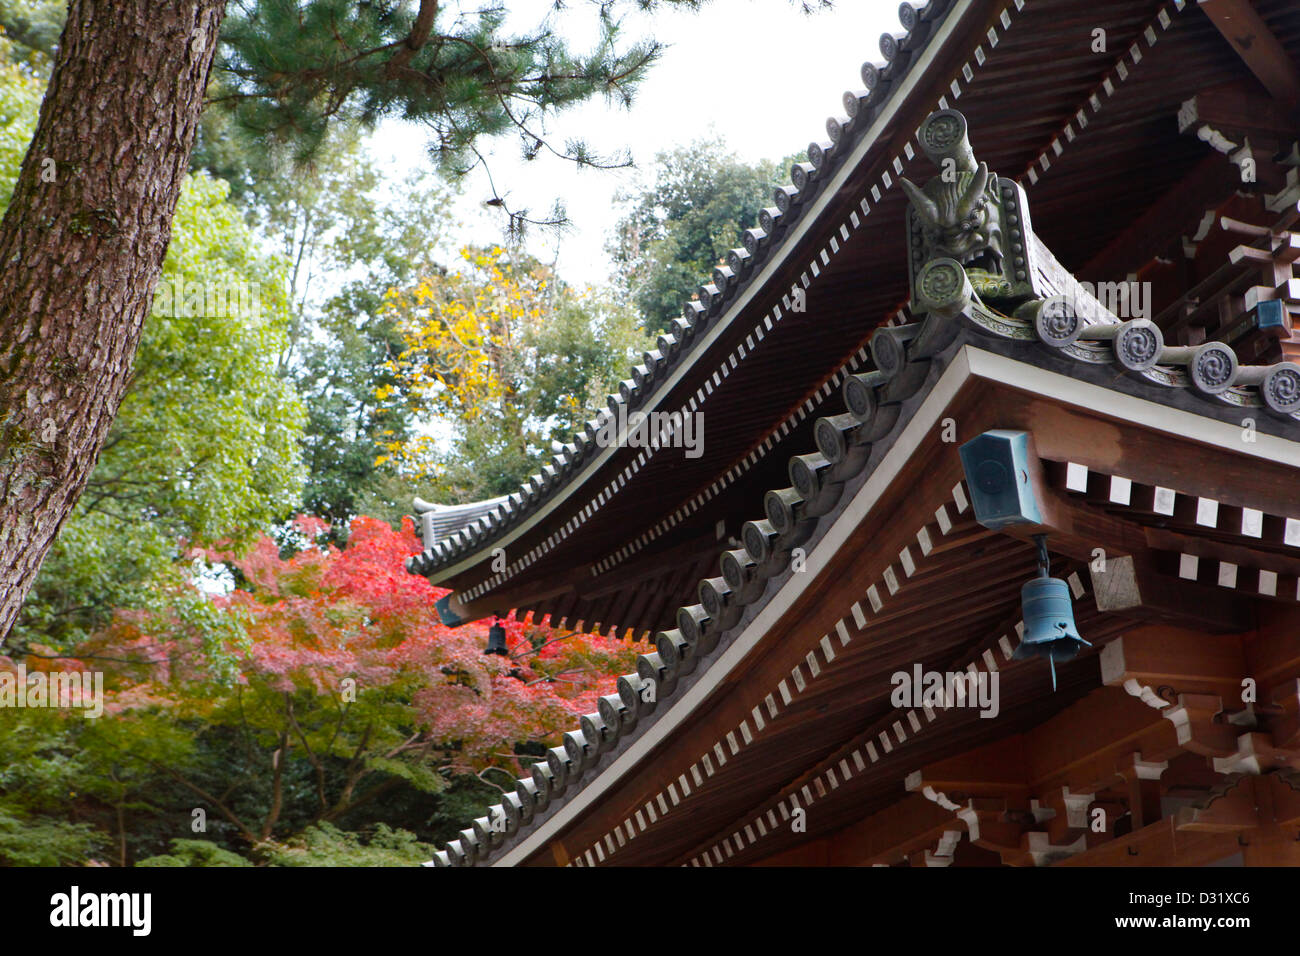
[[971, 217]]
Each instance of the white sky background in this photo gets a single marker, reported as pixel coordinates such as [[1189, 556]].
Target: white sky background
[[758, 74]]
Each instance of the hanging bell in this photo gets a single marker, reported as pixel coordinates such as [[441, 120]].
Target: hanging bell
[[496, 639], [1048, 616]]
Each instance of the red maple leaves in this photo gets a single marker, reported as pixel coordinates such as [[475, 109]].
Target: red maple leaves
[[352, 625]]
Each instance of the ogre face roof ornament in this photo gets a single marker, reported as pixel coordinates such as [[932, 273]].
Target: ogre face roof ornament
[[969, 215], [973, 253]]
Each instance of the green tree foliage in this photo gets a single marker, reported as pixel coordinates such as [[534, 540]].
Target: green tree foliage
[[195, 853], [39, 778], [208, 427], [676, 228], [349, 236], [291, 66], [323, 844], [20, 95], [33, 27]]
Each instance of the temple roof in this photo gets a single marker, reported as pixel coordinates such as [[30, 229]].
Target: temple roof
[[721, 296], [851, 449], [759, 370], [833, 483]]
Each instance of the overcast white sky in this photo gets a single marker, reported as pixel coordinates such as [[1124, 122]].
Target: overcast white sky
[[758, 74]]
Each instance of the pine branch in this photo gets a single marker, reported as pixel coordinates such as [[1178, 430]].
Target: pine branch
[[417, 38]]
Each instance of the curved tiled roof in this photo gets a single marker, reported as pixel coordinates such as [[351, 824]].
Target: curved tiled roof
[[875, 401], [1092, 335], [760, 243], [1206, 377], [817, 483]]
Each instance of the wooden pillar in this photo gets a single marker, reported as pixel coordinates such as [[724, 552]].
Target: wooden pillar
[[1143, 782]]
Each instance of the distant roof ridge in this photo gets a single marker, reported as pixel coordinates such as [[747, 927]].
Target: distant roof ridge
[[421, 506]]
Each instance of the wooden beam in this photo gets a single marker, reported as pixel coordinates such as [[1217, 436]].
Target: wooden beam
[[648, 567], [1238, 106], [812, 853], [579, 592], [1248, 34], [505, 600], [1282, 804], [1086, 745], [1144, 456], [1211, 181], [1159, 844], [1244, 555], [904, 829], [1260, 812], [1095, 745], [1229, 812], [1184, 660], [1130, 586], [909, 826], [1273, 654], [994, 769]]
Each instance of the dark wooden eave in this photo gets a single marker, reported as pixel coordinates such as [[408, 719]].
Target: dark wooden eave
[[1067, 395], [959, 603]]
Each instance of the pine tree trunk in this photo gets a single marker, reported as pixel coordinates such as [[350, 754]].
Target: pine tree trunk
[[81, 248]]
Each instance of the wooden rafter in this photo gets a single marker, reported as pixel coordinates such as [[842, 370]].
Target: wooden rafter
[[1211, 181], [1248, 34]]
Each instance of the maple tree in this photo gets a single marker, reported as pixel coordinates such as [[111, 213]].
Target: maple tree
[[306, 698]]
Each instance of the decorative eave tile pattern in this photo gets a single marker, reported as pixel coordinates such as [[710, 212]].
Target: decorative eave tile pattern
[[1092, 336]]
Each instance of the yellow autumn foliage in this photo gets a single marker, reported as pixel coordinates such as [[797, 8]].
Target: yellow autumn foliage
[[509, 356]]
